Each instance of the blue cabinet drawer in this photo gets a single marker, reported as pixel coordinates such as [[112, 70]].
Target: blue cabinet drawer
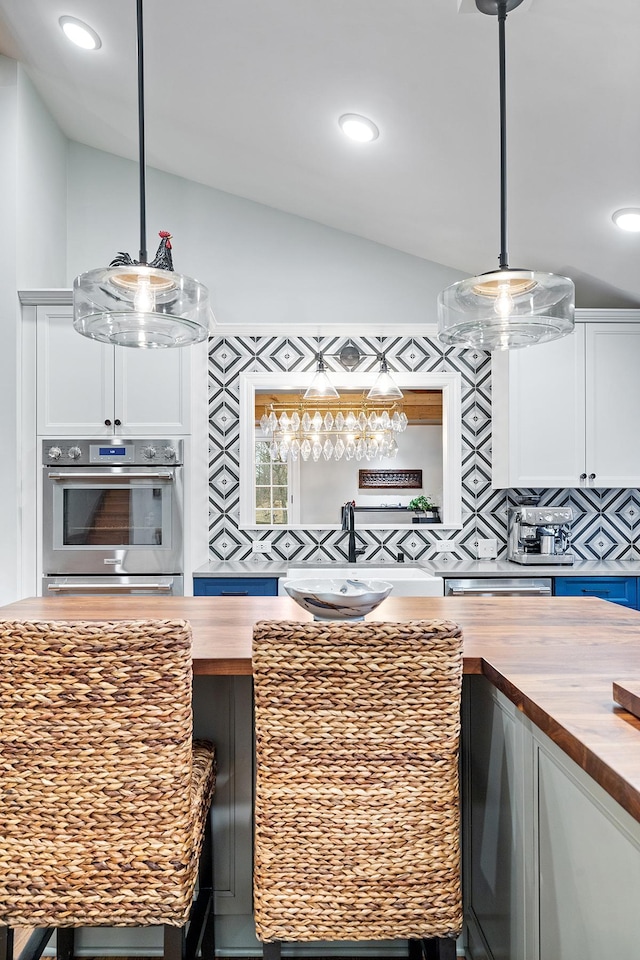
[[621, 590], [235, 586]]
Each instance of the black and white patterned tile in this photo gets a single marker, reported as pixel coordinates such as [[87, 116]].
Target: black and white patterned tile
[[607, 522]]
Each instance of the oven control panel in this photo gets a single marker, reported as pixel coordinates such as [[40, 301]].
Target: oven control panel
[[118, 452]]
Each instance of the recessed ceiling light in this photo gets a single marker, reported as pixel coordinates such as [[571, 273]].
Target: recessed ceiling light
[[627, 219], [358, 128], [80, 33]]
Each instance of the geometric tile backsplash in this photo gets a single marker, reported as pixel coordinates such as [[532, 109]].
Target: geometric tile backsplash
[[606, 522]]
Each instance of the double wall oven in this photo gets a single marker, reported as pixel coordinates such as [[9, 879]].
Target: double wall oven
[[112, 517]]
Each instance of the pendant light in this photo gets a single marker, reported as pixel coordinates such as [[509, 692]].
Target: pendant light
[[136, 303], [508, 307], [385, 386], [320, 386]]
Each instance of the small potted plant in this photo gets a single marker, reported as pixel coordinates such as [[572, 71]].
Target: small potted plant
[[425, 510]]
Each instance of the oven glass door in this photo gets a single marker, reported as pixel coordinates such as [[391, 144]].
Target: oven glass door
[[118, 522]]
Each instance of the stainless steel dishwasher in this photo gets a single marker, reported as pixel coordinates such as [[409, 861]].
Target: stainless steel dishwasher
[[499, 587]]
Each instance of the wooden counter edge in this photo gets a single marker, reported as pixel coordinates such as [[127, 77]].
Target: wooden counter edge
[[627, 694], [610, 780], [221, 667]]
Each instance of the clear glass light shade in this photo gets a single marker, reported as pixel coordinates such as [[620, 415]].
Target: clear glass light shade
[[139, 306], [320, 386], [385, 386], [506, 309]]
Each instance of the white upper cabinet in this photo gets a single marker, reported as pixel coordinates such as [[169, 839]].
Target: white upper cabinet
[[565, 414], [612, 440], [86, 388]]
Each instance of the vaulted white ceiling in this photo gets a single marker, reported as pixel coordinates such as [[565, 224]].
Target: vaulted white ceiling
[[245, 95]]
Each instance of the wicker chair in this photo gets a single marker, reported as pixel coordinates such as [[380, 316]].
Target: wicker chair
[[357, 823], [104, 798]]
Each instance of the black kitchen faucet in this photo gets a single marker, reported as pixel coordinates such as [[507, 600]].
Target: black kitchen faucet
[[349, 523]]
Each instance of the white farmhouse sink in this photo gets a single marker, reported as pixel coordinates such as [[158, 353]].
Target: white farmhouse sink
[[406, 581]]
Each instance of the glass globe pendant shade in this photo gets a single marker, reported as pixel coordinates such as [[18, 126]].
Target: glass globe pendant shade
[[506, 309], [132, 303], [140, 306]]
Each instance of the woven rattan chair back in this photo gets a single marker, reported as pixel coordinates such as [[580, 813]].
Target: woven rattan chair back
[[357, 826], [103, 797]]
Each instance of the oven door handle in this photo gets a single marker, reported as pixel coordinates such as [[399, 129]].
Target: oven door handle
[[76, 475], [108, 587]]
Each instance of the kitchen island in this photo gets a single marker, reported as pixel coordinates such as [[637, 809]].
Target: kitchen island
[[551, 763]]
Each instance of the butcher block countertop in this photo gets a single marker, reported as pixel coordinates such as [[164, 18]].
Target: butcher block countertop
[[556, 658]]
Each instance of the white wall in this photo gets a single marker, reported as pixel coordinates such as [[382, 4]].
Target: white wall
[[262, 266], [32, 253], [42, 192]]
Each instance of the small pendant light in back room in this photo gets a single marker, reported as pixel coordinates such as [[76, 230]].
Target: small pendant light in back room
[[136, 303], [508, 307]]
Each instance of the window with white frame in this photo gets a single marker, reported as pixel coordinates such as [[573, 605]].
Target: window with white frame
[[272, 488]]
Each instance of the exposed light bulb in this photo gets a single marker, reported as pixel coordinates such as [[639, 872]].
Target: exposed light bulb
[[144, 300], [504, 301]]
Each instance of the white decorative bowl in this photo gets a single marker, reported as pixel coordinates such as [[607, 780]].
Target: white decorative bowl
[[343, 599]]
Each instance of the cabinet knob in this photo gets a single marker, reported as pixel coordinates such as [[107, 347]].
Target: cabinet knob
[[107, 423], [583, 476], [592, 476], [118, 423]]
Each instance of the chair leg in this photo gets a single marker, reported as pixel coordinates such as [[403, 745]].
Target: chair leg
[[65, 938], [271, 951], [6, 943], [206, 874], [174, 943], [415, 949], [34, 947], [201, 933], [440, 948]]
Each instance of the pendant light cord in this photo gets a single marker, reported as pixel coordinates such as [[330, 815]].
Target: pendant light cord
[[503, 259], [141, 141]]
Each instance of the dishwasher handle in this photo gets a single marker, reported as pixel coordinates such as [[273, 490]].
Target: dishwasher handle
[[538, 591], [108, 587]]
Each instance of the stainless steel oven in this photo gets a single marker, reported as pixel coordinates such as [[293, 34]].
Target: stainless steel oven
[[112, 509]]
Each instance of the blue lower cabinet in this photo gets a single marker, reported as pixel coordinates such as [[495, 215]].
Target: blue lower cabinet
[[623, 590], [235, 586]]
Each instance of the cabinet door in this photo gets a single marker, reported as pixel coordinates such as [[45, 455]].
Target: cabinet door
[[538, 414], [589, 862], [152, 391], [497, 857], [74, 377], [235, 587], [622, 590], [612, 404]]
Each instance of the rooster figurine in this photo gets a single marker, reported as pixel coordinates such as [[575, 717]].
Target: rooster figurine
[[161, 261]]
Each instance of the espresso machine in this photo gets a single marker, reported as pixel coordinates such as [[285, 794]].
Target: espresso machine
[[540, 534]]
